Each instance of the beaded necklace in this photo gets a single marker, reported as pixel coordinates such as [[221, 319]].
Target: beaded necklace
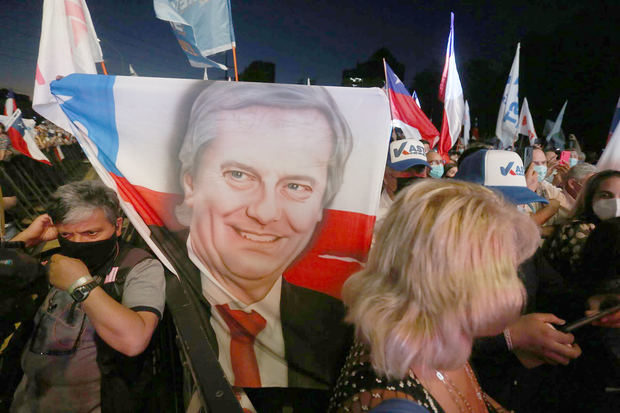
[[458, 397]]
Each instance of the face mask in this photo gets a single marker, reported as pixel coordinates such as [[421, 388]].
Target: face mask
[[607, 208], [94, 254], [572, 162], [436, 171], [541, 170]]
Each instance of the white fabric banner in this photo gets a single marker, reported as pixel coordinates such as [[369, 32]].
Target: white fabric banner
[[557, 127], [526, 123], [68, 45], [610, 159], [506, 127], [466, 125]]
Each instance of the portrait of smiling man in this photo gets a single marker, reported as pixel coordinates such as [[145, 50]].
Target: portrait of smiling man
[[259, 164]]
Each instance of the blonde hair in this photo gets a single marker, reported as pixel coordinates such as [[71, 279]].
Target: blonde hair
[[443, 270]]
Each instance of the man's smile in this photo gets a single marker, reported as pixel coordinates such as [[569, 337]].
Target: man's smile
[[257, 237]]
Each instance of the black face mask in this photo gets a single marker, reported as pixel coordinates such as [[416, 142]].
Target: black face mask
[[94, 254], [404, 182]]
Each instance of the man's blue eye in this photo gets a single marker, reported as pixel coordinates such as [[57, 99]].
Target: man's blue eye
[[237, 174]]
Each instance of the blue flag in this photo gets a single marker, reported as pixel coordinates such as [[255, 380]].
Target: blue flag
[[203, 28]]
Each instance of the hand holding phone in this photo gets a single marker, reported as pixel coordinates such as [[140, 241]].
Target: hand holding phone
[[607, 307]]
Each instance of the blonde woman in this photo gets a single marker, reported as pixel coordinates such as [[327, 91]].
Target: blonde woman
[[442, 271]]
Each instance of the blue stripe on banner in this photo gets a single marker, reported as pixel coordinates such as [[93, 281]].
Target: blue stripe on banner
[[95, 92]]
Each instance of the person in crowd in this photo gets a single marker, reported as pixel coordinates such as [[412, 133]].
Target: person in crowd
[[5, 143], [105, 302], [453, 154], [442, 272], [594, 379], [9, 201], [504, 361], [406, 163], [450, 170], [472, 148], [427, 145], [546, 189], [435, 160], [574, 181], [251, 213], [599, 200]]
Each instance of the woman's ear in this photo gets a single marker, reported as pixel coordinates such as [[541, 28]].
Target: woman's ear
[[188, 189]]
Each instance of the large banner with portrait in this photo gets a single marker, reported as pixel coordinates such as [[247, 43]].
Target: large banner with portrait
[[264, 195]]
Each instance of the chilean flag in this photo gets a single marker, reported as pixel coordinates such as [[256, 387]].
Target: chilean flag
[[113, 118], [9, 104], [406, 113], [451, 94], [22, 138]]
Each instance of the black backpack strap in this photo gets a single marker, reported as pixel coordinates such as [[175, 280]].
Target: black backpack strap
[[127, 259], [189, 318], [126, 382]]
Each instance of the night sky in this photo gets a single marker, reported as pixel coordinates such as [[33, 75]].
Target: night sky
[[314, 38]]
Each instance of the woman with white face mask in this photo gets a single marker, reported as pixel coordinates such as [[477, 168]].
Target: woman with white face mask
[[598, 201]]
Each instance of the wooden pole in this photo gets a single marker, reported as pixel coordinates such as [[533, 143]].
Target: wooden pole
[[234, 49], [105, 71]]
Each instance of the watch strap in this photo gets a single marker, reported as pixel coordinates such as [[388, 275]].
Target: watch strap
[[80, 282]]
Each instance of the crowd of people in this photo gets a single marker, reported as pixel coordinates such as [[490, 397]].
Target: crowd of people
[[529, 364], [480, 259]]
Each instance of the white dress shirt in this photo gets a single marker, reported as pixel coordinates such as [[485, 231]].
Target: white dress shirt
[[269, 343]]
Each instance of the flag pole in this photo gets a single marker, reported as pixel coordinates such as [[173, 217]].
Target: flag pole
[[234, 49], [386, 88], [105, 71], [387, 92]]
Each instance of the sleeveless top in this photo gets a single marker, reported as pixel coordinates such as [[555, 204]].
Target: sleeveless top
[[359, 388]]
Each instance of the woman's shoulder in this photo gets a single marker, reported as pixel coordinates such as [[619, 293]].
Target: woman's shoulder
[[360, 388]]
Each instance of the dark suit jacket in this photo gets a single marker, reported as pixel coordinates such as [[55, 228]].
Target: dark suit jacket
[[316, 340]]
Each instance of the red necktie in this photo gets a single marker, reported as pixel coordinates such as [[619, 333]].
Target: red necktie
[[243, 330]]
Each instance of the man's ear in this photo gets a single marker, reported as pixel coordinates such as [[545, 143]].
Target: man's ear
[[119, 226], [188, 189]]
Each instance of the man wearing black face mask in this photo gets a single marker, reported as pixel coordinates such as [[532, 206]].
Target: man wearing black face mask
[[406, 163], [105, 302]]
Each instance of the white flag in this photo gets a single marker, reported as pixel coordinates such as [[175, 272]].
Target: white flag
[[526, 123], [466, 125], [132, 71], [610, 159], [506, 127], [68, 45], [414, 95], [556, 129]]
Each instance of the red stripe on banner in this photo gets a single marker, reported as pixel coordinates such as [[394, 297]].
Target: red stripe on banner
[[155, 208], [74, 10], [39, 77], [445, 140], [78, 26], [405, 109], [343, 239]]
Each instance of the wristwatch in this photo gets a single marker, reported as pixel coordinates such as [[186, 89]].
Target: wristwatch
[[80, 289]]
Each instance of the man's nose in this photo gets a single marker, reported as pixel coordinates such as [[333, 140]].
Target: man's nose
[[77, 238], [265, 208]]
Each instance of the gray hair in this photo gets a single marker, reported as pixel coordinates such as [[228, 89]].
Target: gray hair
[[76, 201], [224, 96], [580, 171]]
